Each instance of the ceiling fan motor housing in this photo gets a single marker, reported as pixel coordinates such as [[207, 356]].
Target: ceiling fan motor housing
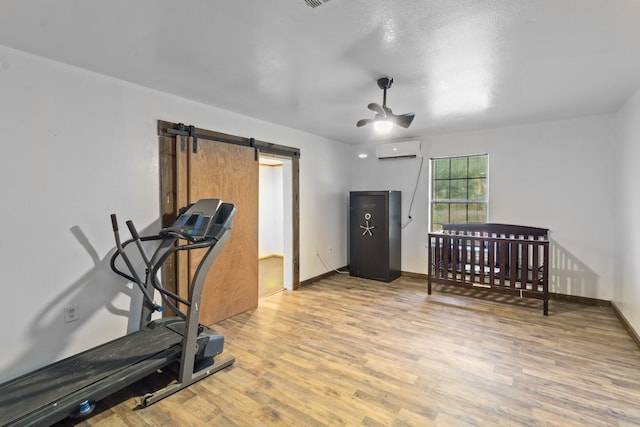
[[385, 82]]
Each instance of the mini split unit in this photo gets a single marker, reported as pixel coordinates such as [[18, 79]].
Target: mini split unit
[[398, 150]]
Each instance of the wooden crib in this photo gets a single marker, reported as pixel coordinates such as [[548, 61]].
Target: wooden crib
[[511, 259]]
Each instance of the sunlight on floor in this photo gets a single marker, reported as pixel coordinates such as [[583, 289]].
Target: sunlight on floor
[[270, 276]]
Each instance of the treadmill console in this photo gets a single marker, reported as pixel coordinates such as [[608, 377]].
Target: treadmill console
[[205, 219], [195, 224]]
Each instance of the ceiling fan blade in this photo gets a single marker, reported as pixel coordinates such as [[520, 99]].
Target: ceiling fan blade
[[387, 110], [404, 120], [363, 122], [377, 108]]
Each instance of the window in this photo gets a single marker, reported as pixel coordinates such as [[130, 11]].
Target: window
[[459, 190]]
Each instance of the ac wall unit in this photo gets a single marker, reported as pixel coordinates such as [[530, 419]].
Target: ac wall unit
[[399, 149]]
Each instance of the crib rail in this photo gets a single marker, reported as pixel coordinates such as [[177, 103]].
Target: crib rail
[[503, 258]]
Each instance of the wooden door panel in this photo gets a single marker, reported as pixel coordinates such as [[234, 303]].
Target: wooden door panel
[[228, 172]]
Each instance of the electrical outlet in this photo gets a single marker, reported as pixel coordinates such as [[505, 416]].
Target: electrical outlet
[[71, 313]]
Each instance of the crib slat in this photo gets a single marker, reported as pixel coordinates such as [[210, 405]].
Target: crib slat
[[431, 257], [503, 249], [482, 259], [535, 267], [491, 262], [523, 264], [473, 254], [454, 258], [464, 256], [545, 277], [446, 255], [439, 249], [513, 263]]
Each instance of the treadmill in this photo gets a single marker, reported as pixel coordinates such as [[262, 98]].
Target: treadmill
[[72, 386]]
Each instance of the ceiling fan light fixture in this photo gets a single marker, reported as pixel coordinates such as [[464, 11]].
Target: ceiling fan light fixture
[[383, 125], [384, 119]]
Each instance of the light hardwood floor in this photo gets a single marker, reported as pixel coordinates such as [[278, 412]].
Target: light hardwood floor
[[348, 351], [270, 276]]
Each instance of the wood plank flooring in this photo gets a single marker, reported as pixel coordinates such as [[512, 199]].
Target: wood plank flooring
[[345, 351], [270, 276]]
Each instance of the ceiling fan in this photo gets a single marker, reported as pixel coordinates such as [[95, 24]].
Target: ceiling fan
[[384, 118]]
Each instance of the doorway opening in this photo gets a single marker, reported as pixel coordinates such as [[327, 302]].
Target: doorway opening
[[275, 239]]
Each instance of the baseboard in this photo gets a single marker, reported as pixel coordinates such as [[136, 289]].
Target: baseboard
[[626, 324], [579, 300], [414, 275], [324, 275], [345, 269]]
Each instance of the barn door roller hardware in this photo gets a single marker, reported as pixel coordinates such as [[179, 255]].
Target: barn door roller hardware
[[184, 132], [259, 146]]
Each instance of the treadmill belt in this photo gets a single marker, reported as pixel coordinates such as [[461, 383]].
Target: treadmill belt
[[44, 386]]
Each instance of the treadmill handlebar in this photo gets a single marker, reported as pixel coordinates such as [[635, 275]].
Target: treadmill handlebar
[[134, 275], [132, 230], [202, 224], [178, 233], [114, 223]]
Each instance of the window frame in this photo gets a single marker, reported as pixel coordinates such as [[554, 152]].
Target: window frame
[[467, 201]]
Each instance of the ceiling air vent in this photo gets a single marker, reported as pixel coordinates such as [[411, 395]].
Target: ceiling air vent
[[315, 3]]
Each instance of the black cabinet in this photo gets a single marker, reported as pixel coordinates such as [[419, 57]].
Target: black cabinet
[[374, 234]]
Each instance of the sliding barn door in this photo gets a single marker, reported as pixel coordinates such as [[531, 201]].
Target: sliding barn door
[[198, 169], [228, 172]]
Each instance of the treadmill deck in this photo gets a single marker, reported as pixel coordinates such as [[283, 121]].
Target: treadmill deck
[[146, 351]]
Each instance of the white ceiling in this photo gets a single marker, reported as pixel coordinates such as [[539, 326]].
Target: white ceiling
[[457, 64]]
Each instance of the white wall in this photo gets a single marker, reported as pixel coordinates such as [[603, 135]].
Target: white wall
[[324, 210], [626, 227], [557, 175], [78, 146], [271, 206]]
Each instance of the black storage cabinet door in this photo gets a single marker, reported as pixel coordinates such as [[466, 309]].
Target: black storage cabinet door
[[374, 234]]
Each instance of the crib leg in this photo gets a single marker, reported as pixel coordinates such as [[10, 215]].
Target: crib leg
[[429, 286], [545, 310]]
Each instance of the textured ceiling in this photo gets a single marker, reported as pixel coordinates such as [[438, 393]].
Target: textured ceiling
[[457, 64]]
